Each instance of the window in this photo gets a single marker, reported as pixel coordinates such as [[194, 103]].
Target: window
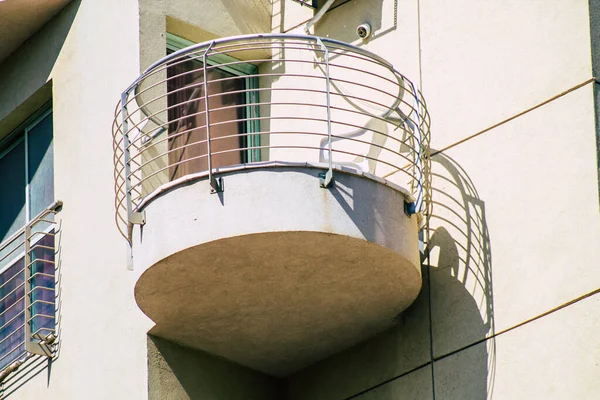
[[27, 171], [233, 115]]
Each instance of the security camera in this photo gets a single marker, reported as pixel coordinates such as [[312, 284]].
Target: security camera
[[363, 31]]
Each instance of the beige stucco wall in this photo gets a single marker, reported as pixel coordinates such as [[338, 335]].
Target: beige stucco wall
[[515, 226], [198, 22], [89, 53], [515, 222]]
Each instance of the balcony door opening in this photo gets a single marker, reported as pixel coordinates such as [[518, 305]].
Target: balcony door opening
[[232, 112]]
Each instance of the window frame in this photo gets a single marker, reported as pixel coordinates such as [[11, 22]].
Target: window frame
[[250, 71], [17, 137]]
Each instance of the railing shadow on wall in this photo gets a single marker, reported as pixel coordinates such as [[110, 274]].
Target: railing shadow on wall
[[458, 294], [460, 271], [457, 289]]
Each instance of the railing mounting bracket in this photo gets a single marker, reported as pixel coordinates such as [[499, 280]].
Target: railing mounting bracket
[[216, 185], [137, 218], [410, 208], [325, 179]]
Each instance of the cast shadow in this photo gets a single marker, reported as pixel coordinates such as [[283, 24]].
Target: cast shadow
[[453, 311], [39, 52], [460, 268], [177, 372]]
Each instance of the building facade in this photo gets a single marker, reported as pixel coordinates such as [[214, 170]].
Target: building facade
[[285, 199]]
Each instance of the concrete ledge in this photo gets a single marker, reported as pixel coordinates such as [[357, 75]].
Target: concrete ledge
[[276, 273]]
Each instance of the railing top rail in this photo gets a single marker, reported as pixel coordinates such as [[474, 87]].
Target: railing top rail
[[342, 105], [273, 36]]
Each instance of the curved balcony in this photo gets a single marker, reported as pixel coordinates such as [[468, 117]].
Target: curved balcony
[[272, 188]]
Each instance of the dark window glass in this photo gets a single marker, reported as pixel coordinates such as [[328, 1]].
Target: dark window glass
[[12, 190], [26, 189], [187, 118]]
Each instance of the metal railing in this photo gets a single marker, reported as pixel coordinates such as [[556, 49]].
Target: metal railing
[[28, 262], [310, 100]]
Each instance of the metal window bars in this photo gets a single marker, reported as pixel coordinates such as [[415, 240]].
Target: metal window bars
[[28, 262], [321, 102]]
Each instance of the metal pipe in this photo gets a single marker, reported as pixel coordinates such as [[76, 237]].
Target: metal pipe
[[28, 344], [318, 16], [326, 180]]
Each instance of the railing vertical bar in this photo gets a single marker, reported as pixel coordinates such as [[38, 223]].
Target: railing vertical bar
[[126, 155], [214, 186], [418, 151], [328, 178], [28, 344], [127, 177]]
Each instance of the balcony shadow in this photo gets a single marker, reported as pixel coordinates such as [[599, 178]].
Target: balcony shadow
[[363, 207], [177, 372], [460, 270], [455, 305], [277, 16]]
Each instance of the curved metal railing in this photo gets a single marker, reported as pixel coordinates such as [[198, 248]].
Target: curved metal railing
[[28, 261], [272, 99]]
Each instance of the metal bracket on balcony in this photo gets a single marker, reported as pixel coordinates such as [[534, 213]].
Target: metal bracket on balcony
[[42, 345], [216, 185], [137, 218], [410, 208], [326, 179]]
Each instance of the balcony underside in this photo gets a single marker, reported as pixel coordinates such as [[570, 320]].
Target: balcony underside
[[276, 273], [277, 302]]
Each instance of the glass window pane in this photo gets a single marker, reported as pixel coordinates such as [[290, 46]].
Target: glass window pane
[[41, 166], [12, 191], [42, 285], [12, 313], [187, 118]]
